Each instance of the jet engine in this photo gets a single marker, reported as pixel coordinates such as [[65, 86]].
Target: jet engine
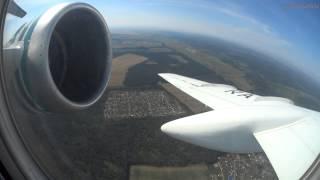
[[66, 57]]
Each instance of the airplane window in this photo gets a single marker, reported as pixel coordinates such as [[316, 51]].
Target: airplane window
[[161, 90]]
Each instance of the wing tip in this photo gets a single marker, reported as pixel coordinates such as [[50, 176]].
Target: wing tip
[[165, 75]]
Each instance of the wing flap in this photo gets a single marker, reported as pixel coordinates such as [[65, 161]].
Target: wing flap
[[292, 148]]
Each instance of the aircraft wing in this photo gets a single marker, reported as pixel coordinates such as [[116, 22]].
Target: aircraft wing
[[213, 95], [287, 133], [292, 148], [16, 10]]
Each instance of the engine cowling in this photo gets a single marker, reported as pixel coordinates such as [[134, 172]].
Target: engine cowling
[[66, 62]]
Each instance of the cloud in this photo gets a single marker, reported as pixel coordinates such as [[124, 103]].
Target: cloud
[[227, 8], [252, 34], [245, 18], [228, 20]]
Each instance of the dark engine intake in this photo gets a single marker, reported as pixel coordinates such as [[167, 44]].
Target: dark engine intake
[[68, 58]]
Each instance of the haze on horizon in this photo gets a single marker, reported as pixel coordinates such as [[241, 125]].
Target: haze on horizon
[[286, 30]]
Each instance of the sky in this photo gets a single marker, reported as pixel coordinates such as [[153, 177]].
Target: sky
[[286, 30]]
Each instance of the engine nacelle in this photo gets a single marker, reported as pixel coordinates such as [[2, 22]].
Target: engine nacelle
[[67, 57]]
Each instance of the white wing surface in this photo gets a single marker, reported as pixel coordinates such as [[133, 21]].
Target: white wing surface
[[244, 122], [212, 95], [292, 148]]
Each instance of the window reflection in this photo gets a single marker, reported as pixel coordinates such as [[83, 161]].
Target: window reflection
[[270, 52]]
